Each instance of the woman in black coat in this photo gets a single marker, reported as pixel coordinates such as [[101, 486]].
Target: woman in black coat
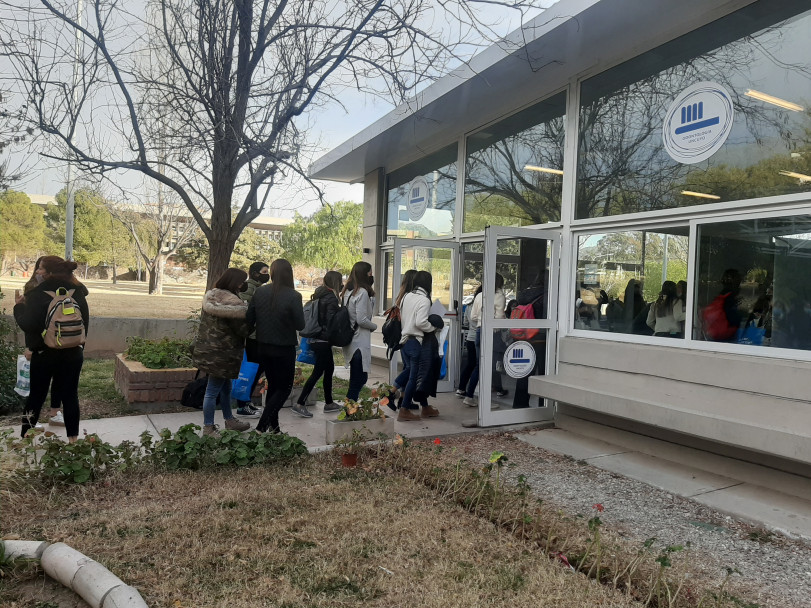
[[327, 296], [62, 365]]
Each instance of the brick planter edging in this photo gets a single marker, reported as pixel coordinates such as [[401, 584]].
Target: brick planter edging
[[140, 384]]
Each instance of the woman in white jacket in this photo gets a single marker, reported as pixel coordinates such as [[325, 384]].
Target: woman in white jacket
[[666, 313], [414, 312], [499, 305], [358, 297]]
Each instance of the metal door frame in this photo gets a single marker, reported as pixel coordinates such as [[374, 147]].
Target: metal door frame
[[492, 235]]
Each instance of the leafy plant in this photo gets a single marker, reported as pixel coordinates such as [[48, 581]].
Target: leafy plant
[[349, 444], [9, 351], [159, 354], [368, 408]]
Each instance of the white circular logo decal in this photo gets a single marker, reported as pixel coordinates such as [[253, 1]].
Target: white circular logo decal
[[698, 122], [417, 201], [519, 360]]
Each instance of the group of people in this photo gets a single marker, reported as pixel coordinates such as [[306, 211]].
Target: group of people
[[52, 367], [258, 315]]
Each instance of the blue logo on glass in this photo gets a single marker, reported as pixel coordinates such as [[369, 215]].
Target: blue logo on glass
[[518, 356], [519, 359], [697, 123], [417, 201]]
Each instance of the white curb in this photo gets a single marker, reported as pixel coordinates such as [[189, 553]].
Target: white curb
[[96, 585]]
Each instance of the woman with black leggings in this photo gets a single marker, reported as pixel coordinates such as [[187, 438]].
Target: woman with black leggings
[[61, 366]]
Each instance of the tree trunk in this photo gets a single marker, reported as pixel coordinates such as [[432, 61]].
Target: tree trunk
[[156, 274], [221, 242]]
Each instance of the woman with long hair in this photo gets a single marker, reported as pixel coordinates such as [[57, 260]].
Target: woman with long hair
[[357, 296], [277, 313], [666, 313], [60, 366], [327, 296], [406, 286], [499, 307], [219, 346], [472, 360]]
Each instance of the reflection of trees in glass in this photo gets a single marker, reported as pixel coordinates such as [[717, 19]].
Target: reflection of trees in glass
[[500, 191], [622, 164], [442, 197]]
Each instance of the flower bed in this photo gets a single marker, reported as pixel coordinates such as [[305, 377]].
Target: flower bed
[[141, 385]]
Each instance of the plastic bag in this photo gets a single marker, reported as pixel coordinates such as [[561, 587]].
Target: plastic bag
[[241, 386], [23, 386], [306, 355]]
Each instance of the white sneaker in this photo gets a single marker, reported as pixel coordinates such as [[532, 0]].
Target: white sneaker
[[471, 402], [39, 426], [58, 420], [460, 393]]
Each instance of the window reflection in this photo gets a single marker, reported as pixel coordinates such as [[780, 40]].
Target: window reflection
[[751, 285], [764, 61], [429, 214], [621, 276], [514, 169]]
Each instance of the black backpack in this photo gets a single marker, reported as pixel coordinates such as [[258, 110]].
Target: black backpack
[[392, 331], [312, 324], [340, 331], [195, 391]]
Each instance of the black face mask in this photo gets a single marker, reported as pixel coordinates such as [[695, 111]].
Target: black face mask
[[262, 278], [371, 281]]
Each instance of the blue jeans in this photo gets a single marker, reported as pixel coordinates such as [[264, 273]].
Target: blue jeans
[[410, 352], [217, 387], [357, 377], [474, 376]]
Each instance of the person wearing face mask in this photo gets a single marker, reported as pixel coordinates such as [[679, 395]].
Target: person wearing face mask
[[357, 296], [56, 416], [258, 274]]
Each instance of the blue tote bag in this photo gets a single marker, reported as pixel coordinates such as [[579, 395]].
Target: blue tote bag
[[241, 386]]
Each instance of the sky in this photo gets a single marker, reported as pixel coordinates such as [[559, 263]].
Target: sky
[[331, 127]]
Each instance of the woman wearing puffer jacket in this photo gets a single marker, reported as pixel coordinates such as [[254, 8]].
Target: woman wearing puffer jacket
[[219, 346]]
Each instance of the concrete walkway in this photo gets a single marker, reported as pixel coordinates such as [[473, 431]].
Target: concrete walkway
[[762, 496]]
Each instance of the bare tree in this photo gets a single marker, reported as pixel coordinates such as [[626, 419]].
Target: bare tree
[[235, 79]]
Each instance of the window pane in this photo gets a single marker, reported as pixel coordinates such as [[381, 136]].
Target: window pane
[[621, 282], [751, 283], [513, 174], [423, 209], [761, 55]]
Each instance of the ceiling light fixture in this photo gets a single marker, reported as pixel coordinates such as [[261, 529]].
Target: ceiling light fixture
[[800, 176], [776, 101], [701, 195], [543, 169]]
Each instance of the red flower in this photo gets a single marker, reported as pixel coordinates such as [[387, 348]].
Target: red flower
[[437, 441], [599, 507]]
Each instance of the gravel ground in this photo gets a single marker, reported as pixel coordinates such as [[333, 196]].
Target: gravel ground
[[775, 571]]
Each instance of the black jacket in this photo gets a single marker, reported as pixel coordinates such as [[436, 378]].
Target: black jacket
[[327, 307], [30, 315], [276, 316]]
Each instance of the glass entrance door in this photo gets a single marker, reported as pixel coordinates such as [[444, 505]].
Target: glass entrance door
[[520, 280], [441, 259]]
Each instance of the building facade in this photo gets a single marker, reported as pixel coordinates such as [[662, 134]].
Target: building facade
[[663, 151]]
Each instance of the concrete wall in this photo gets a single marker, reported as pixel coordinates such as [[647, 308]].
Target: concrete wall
[[374, 214], [108, 335], [753, 403]]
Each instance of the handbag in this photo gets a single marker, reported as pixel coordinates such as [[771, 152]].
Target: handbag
[[242, 385], [306, 355]]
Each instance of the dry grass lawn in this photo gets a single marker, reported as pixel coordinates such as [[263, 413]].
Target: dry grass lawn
[[309, 534]]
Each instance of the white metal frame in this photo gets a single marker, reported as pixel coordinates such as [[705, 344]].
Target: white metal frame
[[452, 363], [488, 417]]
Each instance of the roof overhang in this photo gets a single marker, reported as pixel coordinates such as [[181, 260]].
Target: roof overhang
[[568, 40]]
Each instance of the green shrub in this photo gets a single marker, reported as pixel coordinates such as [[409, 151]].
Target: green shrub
[[10, 401], [159, 354], [47, 457]]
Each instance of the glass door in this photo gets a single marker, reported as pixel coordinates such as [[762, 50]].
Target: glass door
[[441, 259], [520, 280]]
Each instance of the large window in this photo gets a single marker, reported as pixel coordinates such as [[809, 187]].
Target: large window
[[514, 169], [752, 282], [761, 56], [621, 276], [422, 197]]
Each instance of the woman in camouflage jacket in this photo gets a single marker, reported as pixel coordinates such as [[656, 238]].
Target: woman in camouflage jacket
[[219, 346]]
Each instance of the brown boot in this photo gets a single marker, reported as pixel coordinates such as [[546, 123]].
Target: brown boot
[[407, 415], [236, 425], [429, 411]]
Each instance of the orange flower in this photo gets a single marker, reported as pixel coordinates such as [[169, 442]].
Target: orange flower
[[384, 401], [437, 441], [374, 393]]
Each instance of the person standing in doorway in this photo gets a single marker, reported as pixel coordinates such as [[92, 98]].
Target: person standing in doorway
[[219, 347], [358, 297], [277, 314], [327, 296], [258, 275], [49, 365], [499, 306]]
